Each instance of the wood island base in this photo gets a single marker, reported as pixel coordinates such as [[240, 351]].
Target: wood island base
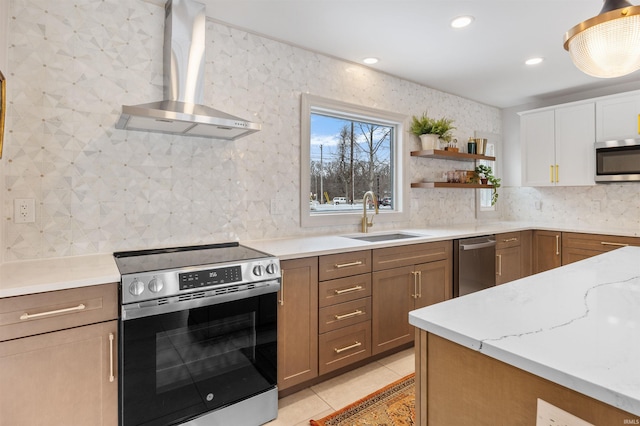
[[456, 385]]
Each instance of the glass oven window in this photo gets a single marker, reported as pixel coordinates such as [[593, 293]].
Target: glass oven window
[[615, 161], [179, 365]]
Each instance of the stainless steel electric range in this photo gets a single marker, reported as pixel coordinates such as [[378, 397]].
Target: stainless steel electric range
[[197, 339]]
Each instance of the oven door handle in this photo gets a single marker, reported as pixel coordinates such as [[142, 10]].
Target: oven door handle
[[199, 299]]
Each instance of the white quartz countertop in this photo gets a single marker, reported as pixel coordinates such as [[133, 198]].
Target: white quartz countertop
[[296, 247], [577, 325], [41, 275]]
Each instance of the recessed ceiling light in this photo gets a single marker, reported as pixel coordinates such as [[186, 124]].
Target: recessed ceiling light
[[370, 61], [533, 61], [461, 21]]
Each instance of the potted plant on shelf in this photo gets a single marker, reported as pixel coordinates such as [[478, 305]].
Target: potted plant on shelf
[[431, 130], [485, 175]]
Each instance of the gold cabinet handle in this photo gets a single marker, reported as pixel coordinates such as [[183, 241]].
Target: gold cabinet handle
[[111, 375], [348, 290], [281, 300], [499, 268], [346, 348], [415, 284], [557, 173], [27, 316], [346, 265], [551, 173], [606, 243], [349, 315], [508, 240], [557, 245], [419, 295]]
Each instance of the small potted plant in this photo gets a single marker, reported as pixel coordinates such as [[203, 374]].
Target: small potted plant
[[485, 175], [430, 130]]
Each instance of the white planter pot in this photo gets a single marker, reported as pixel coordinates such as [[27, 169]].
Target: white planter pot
[[429, 142]]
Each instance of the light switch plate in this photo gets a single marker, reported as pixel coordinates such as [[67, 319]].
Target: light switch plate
[[550, 415]]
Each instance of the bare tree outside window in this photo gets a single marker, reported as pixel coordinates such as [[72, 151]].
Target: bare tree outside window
[[349, 158]]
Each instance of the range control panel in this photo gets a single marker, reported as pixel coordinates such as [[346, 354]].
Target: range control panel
[[139, 287], [196, 279]]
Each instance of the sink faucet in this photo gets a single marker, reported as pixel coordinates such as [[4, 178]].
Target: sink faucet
[[365, 220]]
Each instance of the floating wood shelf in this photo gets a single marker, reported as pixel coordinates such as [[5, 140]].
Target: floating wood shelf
[[450, 155], [450, 185]]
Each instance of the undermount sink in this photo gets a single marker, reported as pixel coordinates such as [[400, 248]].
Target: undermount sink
[[383, 237]]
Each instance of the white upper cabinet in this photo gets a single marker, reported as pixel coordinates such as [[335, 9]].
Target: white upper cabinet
[[557, 146], [618, 117]]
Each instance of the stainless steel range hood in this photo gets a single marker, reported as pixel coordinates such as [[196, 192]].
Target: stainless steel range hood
[[182, 112]]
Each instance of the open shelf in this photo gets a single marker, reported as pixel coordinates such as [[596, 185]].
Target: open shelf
[[450, 185], [450, 155]]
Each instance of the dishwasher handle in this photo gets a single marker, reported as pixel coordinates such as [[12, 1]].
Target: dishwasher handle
[[478, 245]]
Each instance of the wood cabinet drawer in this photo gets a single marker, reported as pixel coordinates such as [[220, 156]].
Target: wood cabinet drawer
[[507, 240], [344, 314], [344, 289], [344, 346], [344, 264], [414, 254], [32, 314], [576, 246]]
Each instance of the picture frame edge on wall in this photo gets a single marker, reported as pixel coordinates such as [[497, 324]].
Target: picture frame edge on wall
[[3, 103]]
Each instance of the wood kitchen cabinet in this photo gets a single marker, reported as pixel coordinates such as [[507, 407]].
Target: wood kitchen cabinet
[[547, 250], [58, 357], [298, 322], [513, 256], [344, 309], [618, 117], [557, 145], [407, 278], [578, 246]]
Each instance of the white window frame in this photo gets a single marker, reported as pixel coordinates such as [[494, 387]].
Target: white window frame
[[311, 103], [493, 212]]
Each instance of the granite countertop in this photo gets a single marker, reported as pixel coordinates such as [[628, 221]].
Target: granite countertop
[[577, 325]]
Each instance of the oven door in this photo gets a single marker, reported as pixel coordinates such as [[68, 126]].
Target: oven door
[[179, 365]]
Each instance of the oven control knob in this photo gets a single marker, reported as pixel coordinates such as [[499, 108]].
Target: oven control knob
[[155, 285], [271, 268], [257, 270], [137, 287]]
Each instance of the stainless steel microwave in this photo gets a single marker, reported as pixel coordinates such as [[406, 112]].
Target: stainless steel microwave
[[618, 161]]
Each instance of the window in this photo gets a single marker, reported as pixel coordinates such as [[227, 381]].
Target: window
[[348, 150], [484, 209]]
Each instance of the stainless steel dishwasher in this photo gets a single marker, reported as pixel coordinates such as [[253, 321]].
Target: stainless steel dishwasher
[[474, 264]]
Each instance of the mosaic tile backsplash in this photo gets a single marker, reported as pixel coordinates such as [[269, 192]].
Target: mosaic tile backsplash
[[98, 189]]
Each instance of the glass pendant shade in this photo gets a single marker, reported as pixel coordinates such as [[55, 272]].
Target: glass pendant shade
[[607, 45]]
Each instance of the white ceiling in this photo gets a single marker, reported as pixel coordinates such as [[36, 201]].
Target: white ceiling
[[413, 40]]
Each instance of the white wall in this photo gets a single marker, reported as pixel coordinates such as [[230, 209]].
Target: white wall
[[99, 189]]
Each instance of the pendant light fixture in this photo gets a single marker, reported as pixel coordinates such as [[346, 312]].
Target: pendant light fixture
[[607, 45]]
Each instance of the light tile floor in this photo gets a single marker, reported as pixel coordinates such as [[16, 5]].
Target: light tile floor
[[324, 398]]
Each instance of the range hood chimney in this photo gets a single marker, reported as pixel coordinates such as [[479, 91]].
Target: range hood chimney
[[182, 112]]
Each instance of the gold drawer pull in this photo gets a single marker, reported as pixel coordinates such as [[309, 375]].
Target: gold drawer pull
[[605, 243], [349, 315], [348, 290], [508, 240], [27, 316], [346, 348], [111, 375], [346, 265]]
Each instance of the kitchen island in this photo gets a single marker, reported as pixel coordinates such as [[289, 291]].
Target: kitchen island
[[569, 336]]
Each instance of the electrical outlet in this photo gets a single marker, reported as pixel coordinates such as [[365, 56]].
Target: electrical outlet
[[24, 210], [550, 415]]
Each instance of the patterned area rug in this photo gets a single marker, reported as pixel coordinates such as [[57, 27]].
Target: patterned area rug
[[393, 405]]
